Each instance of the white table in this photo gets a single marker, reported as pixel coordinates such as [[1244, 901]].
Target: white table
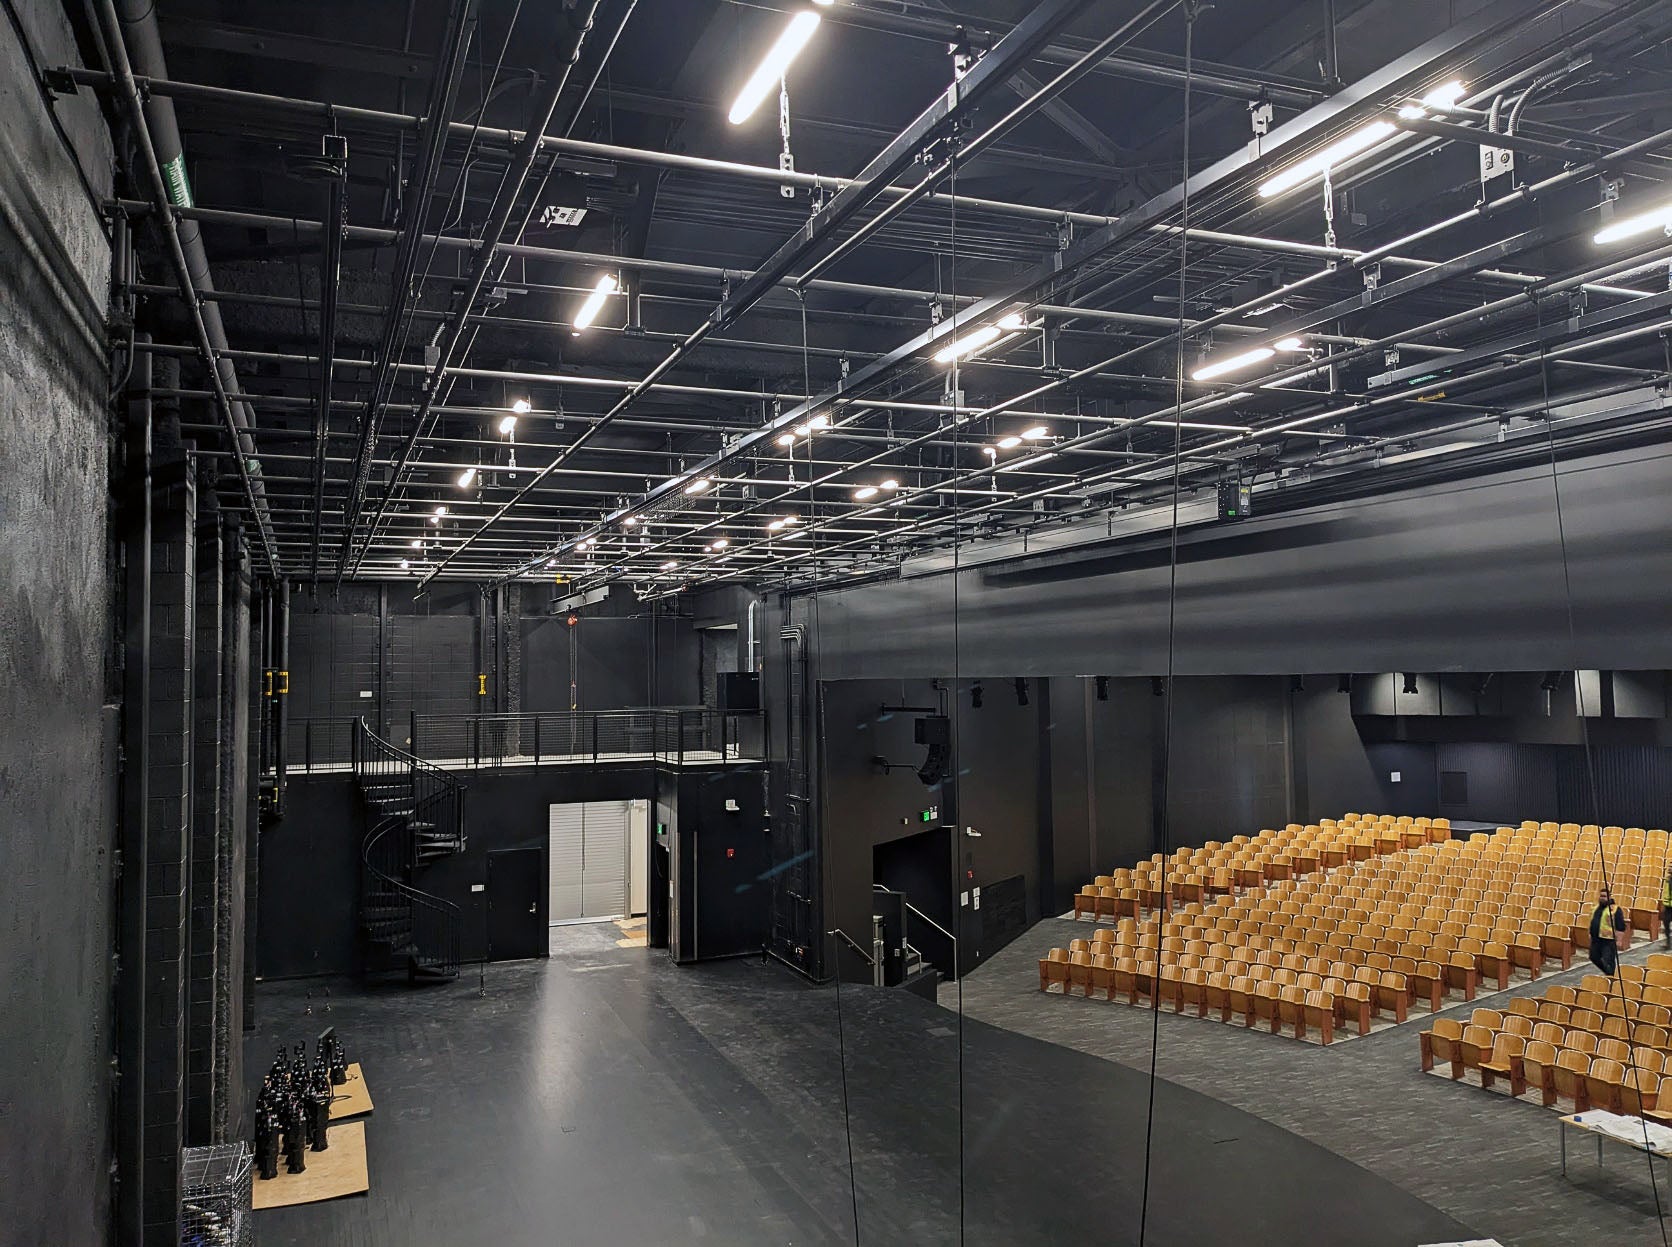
[[1651, 1138]]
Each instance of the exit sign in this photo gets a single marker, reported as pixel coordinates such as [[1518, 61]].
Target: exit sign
[[929, 815]]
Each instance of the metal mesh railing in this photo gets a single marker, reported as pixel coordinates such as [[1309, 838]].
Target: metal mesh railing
[[499, 740]]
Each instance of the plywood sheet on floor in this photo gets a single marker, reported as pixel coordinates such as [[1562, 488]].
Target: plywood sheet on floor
[[338, 1171], [634, 933], [352, 1099]]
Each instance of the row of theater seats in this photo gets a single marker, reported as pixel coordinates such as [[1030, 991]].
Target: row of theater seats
[[1445, 916], [1223, 869], [1606, 1044]]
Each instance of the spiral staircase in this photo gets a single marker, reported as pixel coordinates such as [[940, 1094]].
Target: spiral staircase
[[414, 816]]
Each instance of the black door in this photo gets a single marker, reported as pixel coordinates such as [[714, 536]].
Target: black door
[[516, 904]]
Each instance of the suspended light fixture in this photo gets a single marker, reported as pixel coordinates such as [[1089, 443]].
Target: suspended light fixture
[[771, 70], [466, 477], [417, 544], [507, 425], [719, 544], [1642, 223], [699, 485], [1290, 344], [1440, 99], [595, 302], [630, 521], [1009, 443], [865, 492], [891, 484], [774, 526], [1036, 434], [670, 565], [786, 439], [405, 563], [819, 422], [522, 406], [1233, 363], [980, 339]]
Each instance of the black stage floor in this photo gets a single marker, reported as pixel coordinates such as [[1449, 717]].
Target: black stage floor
[[607, 1097]]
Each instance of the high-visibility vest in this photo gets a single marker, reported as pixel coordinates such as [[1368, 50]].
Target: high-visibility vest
[[1608, 926], [1666, 893]]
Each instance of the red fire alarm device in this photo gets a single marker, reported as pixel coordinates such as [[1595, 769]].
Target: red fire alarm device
[[730, 852]]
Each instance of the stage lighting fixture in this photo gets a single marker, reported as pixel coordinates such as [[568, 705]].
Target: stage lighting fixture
[[1410, 685], [1021, 691], [1551, 682]]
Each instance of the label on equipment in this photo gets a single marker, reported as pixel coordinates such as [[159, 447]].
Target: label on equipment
[[1495, 162]]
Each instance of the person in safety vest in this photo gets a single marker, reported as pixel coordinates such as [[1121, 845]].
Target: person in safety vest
[[1666, 907], [1607, 919]]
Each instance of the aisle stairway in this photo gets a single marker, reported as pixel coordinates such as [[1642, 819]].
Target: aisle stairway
[[414, 815]]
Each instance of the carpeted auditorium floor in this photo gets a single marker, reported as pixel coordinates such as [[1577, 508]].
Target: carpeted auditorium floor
[[607, 1097]]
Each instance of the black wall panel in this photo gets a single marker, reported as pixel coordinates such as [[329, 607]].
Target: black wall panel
[[1462, 576]]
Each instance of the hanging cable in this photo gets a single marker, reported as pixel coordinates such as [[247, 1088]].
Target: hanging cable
[[957, 768], [1616, 983], [1161, 805]]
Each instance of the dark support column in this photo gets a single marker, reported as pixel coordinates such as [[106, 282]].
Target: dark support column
[[1045, 886], [256, 733], [234, 834], [134, 523], [203, 1124], [173, 549]]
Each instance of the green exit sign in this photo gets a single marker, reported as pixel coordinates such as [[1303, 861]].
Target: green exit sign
[[929, 815]]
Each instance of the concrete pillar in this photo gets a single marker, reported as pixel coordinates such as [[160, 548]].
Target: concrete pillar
[[167, 836]]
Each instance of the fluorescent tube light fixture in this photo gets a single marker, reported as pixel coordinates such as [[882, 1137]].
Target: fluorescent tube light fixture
[[670, 565], [1290, 344], [466, 477], [786, 439], [865, 492], [1642, 223], [595, 302], [699, 485], [1337, 153], [507, 425], [522, 406], [1036, 434], [1009, 443], [771, 70], [1233, 363]]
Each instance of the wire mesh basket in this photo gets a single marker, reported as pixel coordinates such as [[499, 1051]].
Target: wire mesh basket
[[215, 1196]]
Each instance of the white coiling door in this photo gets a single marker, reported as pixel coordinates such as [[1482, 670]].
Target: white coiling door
[[588, 860]]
